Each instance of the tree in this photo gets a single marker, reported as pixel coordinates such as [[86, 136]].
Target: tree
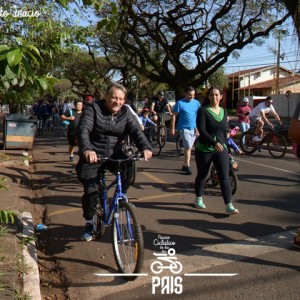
[[293, 7], [185, 42], [28, 45]]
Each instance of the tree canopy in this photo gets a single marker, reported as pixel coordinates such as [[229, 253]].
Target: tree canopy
[[170, 42], [184, 42]]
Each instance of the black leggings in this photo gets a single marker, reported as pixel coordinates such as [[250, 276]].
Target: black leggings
[[220, 160], [89, 176]]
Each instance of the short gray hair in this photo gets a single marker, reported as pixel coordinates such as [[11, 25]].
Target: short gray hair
[[117, 86]]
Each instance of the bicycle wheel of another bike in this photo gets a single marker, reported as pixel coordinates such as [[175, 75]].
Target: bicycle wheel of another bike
[[246, 143], [99, 223], [128, 243], [213, 175], [156, 146], [276, 145], [134, 173], [179, 145], [162, 135], [234, 181]]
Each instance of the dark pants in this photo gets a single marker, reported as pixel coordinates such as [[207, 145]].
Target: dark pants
[[89, 176], [220, 160]]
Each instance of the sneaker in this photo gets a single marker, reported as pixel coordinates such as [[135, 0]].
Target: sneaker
[[71, 158], [199, 203], [256, 138], [296, 243], [187, 170], [230, 210], [89, 231]]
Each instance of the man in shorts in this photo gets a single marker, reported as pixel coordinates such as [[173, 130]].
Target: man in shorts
[[72, 115], [258, 117], [186, 111]]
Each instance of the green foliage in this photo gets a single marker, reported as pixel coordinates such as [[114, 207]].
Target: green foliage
[[3, 181], [7, 216], [219, 79]]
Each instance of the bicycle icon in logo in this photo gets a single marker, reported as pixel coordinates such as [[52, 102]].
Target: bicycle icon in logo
[[174, 266]]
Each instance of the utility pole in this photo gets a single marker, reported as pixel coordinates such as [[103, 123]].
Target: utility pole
[[278, 65]]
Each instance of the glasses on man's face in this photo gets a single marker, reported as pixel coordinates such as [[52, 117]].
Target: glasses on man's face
[[117, 99], [268, 103]]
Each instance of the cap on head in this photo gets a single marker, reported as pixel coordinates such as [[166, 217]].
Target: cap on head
[[160, 93], [269, 98], [246, 100], [146, 109], [88, 98]]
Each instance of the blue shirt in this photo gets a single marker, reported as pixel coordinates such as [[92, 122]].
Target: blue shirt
[[146, 121], [187, 113]]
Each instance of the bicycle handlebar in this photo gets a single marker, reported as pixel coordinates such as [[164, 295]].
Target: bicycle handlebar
[[120, 160]]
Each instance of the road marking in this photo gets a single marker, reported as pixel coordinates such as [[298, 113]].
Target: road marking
[[266, 166], [64, 211], [212, 274], [121, 274], [159, 196], [153, 178]]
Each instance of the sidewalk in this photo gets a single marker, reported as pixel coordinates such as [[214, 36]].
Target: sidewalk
[[18, 258]]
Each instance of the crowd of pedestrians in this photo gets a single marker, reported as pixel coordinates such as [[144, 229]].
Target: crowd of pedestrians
[[93, 128]]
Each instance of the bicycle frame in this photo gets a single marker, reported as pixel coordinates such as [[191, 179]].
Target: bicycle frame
[[118, 194]]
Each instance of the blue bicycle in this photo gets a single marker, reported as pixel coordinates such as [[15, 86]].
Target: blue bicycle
[[127, 236]]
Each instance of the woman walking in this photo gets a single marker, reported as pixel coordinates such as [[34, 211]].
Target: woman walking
[[211, 147]]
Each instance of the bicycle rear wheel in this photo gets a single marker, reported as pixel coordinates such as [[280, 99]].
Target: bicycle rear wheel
[[179, 145], [162, 135], [213, 175], [246, 143], [276, 145], [234, 181], [128, 243]]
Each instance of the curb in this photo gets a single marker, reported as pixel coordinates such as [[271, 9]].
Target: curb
[[31, 280]]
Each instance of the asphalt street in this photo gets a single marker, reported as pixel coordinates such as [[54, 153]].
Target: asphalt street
[[245, 256]]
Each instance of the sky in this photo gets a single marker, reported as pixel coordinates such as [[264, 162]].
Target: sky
[[254, 56]]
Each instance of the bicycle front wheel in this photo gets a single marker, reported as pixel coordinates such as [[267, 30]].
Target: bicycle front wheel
[[162, 135], [276, 145], [128, 243], [246, 143], [155, 145]]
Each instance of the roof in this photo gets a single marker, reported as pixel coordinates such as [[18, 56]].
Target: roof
[[253, 70], [284, 81]]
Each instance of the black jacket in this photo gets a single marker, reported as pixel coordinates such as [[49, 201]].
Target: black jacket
[[211, 131], [100, 131]]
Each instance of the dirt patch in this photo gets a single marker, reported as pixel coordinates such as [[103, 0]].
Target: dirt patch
[[53, 284]]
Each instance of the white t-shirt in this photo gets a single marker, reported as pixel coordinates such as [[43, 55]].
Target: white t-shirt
[[261, 107]]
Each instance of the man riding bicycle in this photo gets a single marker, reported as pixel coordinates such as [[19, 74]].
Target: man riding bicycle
[[259, 118], [159, 104]]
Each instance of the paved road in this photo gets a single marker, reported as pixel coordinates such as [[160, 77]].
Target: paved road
[[247, 256]]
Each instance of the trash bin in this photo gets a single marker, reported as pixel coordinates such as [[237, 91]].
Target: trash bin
[[19, 131]]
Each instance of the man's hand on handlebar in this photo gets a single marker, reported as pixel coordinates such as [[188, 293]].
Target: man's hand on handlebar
[[91, 156], [147, 154]]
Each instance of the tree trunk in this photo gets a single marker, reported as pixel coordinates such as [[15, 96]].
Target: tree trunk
[[293, 7]]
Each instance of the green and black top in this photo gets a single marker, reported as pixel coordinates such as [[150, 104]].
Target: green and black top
[[212, 129]]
